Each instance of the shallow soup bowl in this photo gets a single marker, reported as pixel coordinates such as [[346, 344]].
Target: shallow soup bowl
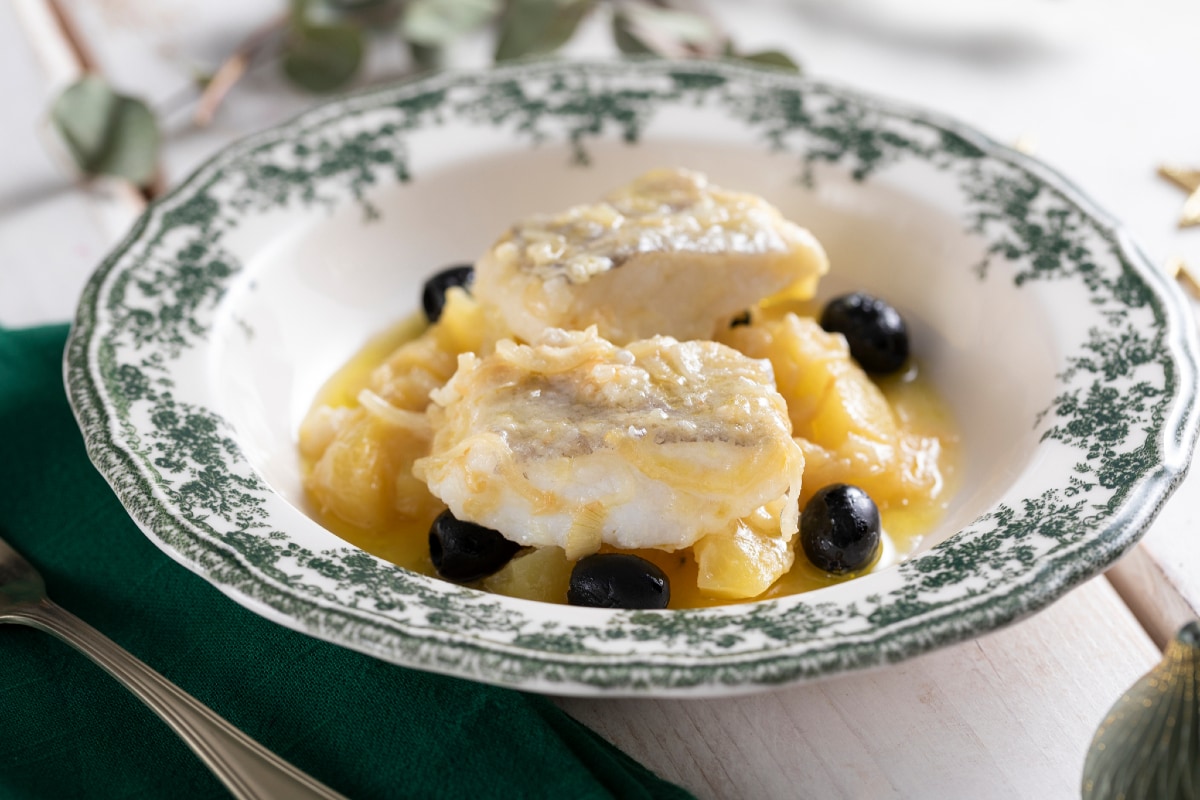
[[1065, 357]]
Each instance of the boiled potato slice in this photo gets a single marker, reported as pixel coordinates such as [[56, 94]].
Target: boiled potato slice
[[541, 573], [840, 418], [418, 367], [364, 477], [746, 560]]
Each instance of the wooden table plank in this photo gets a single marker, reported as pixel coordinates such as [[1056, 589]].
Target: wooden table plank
[[1007, 715], [1157, 580]]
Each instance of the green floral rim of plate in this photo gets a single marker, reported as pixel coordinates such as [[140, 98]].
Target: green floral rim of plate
[[1126, 406]]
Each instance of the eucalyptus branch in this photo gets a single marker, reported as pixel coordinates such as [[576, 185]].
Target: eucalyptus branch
[[321, 46], [104, 132]]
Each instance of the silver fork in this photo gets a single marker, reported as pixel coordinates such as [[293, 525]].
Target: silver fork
[[246, 768]]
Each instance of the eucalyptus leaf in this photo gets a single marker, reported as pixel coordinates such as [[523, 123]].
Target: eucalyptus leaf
[[366, 12], [682, 26], [537, 27], [107, 133], [322, 58], [355, 7], [425, 58], [436, 23], [626, 37], [667, 32], [772, 58]]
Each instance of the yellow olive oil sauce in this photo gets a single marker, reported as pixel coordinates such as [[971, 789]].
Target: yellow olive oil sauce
[[406, 545], [913, 398]]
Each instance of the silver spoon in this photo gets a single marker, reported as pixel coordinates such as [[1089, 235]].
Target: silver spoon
[[246, 768]]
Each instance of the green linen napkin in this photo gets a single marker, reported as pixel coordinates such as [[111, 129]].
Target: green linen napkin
[[366, 728]]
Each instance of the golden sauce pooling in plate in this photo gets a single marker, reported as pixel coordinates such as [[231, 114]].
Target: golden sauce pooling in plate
[[894, 437]]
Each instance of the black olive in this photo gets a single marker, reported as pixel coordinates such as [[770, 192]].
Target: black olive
[[464, 552], [618, 580], [840, 529], [433, 298], [875, 331]]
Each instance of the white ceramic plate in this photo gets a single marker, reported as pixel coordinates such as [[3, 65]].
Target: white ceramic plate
[[201, 341]]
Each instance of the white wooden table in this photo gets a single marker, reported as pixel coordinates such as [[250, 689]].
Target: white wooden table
[[1103, 90]]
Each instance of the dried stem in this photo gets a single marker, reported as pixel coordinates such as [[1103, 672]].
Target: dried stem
[[232, 70], [72, 38]]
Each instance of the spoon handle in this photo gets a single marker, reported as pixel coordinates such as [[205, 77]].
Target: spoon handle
[[246, 768]]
